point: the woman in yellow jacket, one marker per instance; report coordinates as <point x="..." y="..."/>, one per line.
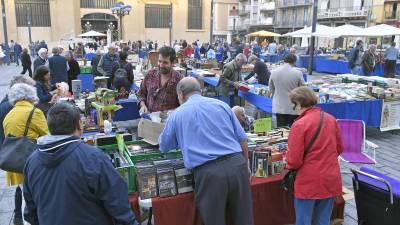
<point x="22" y="97"/>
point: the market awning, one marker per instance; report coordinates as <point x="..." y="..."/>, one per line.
<point x="381" y="30"/>
<point x="346" y="30"/>
<point x="306" y="31"/>
<point x="92" y="33"/>
<point x="263" y="33"/>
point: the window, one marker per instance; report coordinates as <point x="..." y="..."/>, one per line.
<point x="98" y="4"/>
<point x="35" y="11"/>
<point x="195" y="14"/>
<point x="157" y="16"/>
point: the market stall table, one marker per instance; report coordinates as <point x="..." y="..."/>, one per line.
<point x="271" y="205"/>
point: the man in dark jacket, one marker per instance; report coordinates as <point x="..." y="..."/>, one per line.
<point x="26" y="62"/>
<point x="369" y="61"/>
<point x="105" y="64"/>
<point x="261" y="69"/>
<point x="77" y="182"/>
<point x="58" y="67"/>
<point x="95" y="61"/>
<point x="41" y="60"/>
<point x="17" y="52"/>
<point x="40" y="45"/>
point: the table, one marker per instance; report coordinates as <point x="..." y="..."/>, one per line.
<point x="271" y="58"/>
<point x="271" y="205"/>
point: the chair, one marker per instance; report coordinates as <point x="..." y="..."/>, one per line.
<point x="355" y="144"/>
<point x="377" y="197"/>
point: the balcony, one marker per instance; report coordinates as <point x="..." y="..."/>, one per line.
<point x="262" y="21"/>
<point x="293" y="3"/>
<point x="392" y="15"/>
<point x="269" y="6"/>
<point x="343" y="12"/>
<point x="244" y="10"/>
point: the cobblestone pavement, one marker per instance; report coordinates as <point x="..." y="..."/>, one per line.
<point x="388" y="158"/>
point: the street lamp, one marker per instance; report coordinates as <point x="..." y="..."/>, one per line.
<point x="88" y="26"/>
<point x="111" y="26"/>
<point x="121" y="10"/>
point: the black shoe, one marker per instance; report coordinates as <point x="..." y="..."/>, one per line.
<point x="18" y="221"/>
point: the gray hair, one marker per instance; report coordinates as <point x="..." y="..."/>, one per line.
<point x="252" y="57"/>
<point x="238" y="109"/>
<point x="241" y="56"/>
<point x="188" y="85"/>
<point x="18" y="79"/>
<point x="22" y="91"/>
<point x="55" y="50"/>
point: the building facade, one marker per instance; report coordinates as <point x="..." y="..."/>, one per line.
<point x="161" y="20"/>
<point x="292" y="15"/>
<point x="335" y="13"/>
<point x="392" y="12"/>
<point x="254" y="15"/>
<point x="224" y="18"/>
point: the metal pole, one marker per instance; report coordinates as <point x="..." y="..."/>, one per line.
<point x="120" y="27"/>
<point x="211" y="21"/>
<point x="170" y="27"/>
<point x="312" y="42"/>
<point x="29" y="24"/>
<point x="3" y="12"/>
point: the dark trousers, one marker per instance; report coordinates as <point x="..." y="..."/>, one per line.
<point x="283" y="120"/>
<point x="18" y="203"/>
<point x="390" y="68"/>
<point x="366" y="71"/>
<point x="222" y="187"/>
<point x="25" y="68"/>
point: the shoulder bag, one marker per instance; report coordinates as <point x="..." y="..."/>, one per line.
<point x="15" y="150"/>
<point x="288" y="180"/>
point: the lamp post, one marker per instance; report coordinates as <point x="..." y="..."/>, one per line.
<point x="3" y="12"/>
<point x="88" y="26"/>
<point x="29" y="18"/>
<point x="312" y="42"/>
<point x="121" y="10"/>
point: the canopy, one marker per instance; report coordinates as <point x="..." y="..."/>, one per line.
<point x="346" y="30"/>
<point x="381" y="30"/>
<point x="263" y="33"/>
<point x="92" y="33"/>
<point x="306" y="31"/>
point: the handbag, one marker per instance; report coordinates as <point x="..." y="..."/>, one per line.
<point x="290" y="176"/>
<point x="15" y="150"/>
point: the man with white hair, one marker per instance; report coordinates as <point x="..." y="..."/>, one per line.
<point x="41" y="60"/>
<point x="369" y="60"/>
<point x="106" y="61"/>
<point x="245" y="120"/>
<point x="229" y="81"/>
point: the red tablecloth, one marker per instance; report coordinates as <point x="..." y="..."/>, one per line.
<point x="271" y="205"/>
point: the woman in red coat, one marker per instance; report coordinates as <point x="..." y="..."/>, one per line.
<point x="318" y="180"/>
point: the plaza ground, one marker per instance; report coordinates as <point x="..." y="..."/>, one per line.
<point x="387" y="156"/>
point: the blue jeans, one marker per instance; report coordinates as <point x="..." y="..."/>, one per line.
<point x="356" y="70"/>
<point x="308" y="210"/>
<point x="18" y="202"/>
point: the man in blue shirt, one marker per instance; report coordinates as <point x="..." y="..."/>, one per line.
<point x="214" y="146"/>
<point x="391" y="55"/>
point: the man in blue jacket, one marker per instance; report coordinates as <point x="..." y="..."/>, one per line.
<point x="58" y="67"/>
<point x="69" y="182"/>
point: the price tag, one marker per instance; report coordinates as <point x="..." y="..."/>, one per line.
<point x="262" y="125"/>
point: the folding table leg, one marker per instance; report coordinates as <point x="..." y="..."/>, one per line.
<point x="150" y="216"/>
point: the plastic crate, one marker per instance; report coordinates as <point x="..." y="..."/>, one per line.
<point x="127" y="173"/>
<point x="86" y="70"/>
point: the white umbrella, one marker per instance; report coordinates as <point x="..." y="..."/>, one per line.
<point x="381" y="30"/>
<point x="92" y="33"/>
<point x="306" y="31"/>
<point x="346" y="30"/>
<point x="304" y="42"/>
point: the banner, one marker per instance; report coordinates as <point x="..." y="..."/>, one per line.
<point x="390" y="118"/>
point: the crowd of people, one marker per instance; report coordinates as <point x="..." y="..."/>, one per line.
<point x="210" y="134"/>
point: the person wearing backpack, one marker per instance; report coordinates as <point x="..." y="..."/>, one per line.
<point x="355" y="58"/>
<point x="122" y="73"/>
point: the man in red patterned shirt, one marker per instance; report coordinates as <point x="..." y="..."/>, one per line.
<point x="158" y="89"/>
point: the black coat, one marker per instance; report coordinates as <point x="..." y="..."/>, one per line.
<point x="26" y="60"/>
<point x="95" y="61"/>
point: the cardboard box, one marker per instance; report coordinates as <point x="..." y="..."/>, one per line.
<point x="150" y="131"/>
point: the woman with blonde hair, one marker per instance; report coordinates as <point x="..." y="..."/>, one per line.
<point x="22" y="97"/>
